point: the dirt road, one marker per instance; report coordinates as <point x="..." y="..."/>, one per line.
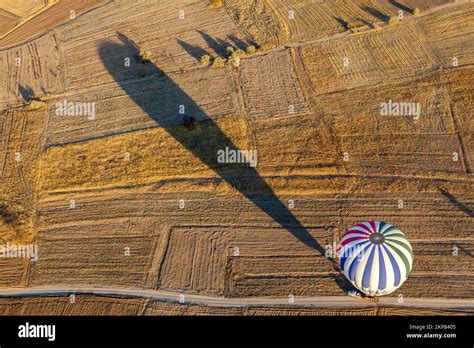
<point x="320" y="301"/>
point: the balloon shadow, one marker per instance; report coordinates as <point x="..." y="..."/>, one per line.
<point x="164" y="108"/>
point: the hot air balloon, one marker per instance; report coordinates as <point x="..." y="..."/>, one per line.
<point x="376" y="257"/>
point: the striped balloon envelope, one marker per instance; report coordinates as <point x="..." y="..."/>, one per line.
<point x="376" y="257"/>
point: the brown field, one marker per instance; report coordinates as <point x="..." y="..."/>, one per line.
<point x="372" y="58"/>
<point x="316" y="19"/>
<point x="83" y="305"/>
<point x="14" y="12"/>
<point x="442" y="33"/>
<point x="154" y="155"/>
<point x="270" y="261"/>
<point x="261" y="72"/>
<point x="13" y="273"/>
<point x="115" y="101"/>
<point x="176" y="44"/>
<point x="73" y="256"/>
<point x="258" y="20"/>
<point x="39" y="72"/>
<point x="22" y="134"/>
<point x="100" y="305"/>
<point x="38" y="16"/>
<point x="275" y="22"/>
<point x="8" y="20"/>
<point x="134" y="198"/>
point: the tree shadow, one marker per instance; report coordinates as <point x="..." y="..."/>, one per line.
<point x="342" y="282"/>
<point x="342" y="22"/>
<point x="131" y="53"/>
<point x="400" y="6"/>
<point x="376" y="13"/>
<point x="219" y="46"/>
<point x="165" y="106"/>
<point x="26" y="92"/>
<point x="193" y="50"/>
<point x="238" y="43"/>
<point x="467" y="252"/>
<point x="461" y="206"/>
<point x="366" y="22"/>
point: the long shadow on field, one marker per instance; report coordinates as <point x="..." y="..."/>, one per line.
<point x="26" y="92"/>
<point x="400" y="6"/>
<point x="454" y="201"/>
<point x="467" y="252"/>
<point x="376" y="13"/>
<point x="240" y="43"/>
<point x="219" y="46"/>
<point x="193" y="50"/>
<point x="164" y="109"/>
<point x="342" y="22"/>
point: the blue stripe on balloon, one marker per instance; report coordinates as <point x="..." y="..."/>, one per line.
<point x="343" y="260"/>
<point x="356" y="261"/>
<point x="368" y="269"/>
<point x="382" y="270"/>
<point x="347" y="252"/>
<point x="396" y="269"/>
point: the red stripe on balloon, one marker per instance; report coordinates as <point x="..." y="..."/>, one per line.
<point x="364" y="227"/>
<point x="372" y="223"/>
<point x="351" y="240"/>
<point x="357" y="231"/>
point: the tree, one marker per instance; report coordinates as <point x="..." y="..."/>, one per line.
<point x="6" y="214"/>
<point x="146" y="56"/>
<point x="250" y="49"/>
<point x="216" y="4"/>
<point x="206" y="60"/>
<point x="218" y="62"/>
<point x="189" y="122"/>
<point x="240" y="53"/>
<point x="393" y="21"/>
<point x="351" y="26"/>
